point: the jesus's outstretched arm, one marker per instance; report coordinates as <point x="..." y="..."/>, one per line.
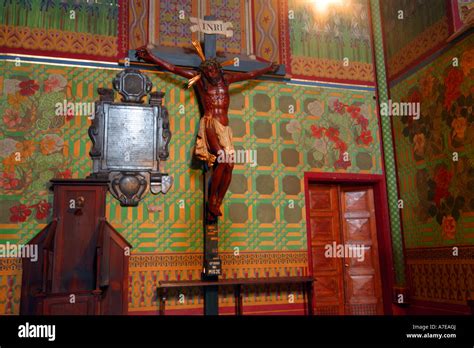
<point x="145" y="54"/>
<point x="236" y="77"/>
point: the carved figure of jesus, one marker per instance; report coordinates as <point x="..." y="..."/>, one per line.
<point x="214" y="135"/>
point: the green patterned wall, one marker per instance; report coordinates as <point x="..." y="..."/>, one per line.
<point x="293" y="129"/>
<point x="435" y="154"/>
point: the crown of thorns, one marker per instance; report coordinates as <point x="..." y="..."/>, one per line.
<point x="205" y="63"/>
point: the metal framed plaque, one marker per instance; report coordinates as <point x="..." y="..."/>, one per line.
<point x="130" y="138"/>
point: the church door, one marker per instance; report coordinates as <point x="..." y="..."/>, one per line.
<point x="344" y="250"/>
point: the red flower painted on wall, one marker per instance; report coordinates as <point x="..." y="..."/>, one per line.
<point x="339" y="133"/>
<point x="8" y="181"/>
<point x="318" y="132"/>
<point x="446" y="193"/>
<point x="353" y="110"/>
<point x="332" y="134"/>
<point x="365" y="138"/>
<point x="362" y="121"/>
<point x="340" y="145"/>
<point x="42" y="209"/>
<point x="19" y="213"/>
<point x="28" y="87"/>
<point x="338" y="107"/>
<point x="11" y="118"/>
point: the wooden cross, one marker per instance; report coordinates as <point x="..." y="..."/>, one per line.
<point x="177" y="57"/>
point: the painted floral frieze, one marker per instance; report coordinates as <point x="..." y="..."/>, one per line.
<point x="334" y="138"/>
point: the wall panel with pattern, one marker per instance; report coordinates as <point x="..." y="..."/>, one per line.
<point x="332" y="43"/>
<point x="80" y="29"/>
<point x="412" y="29"/>
<point x="436" y="174"/>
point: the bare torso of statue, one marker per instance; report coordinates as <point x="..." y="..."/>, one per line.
<point x="214" y="135"/>
<point x="216" y="101"/>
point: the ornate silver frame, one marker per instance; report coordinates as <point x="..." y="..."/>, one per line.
<point x="130" y="138"/>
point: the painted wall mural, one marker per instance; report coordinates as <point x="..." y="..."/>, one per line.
<point x="435" y="153"/>
<point x="292" y="129"/>
<point x="266" y="29"/>
<point x="230" y="11"/>
<point x="319" y="42"/>
<point x="325" y="141"/>
<point x="171" y="26"/>
<point x="138" y="22"/>
<point x="168" y="28"/>
<point x="421" y="26"/>
<point x="84" y="30"/>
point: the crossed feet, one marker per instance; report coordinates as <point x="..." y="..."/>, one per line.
<point x="214" y="208"/>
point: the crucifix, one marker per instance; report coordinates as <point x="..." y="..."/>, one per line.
<point x="214" y="139"/>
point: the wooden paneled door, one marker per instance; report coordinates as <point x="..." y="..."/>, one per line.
<point x="344" y="250"/>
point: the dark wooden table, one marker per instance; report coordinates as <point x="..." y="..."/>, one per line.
<point x="237" y="284"/>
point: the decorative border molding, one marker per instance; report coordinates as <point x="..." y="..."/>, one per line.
<point x="332" y="69"/>
<point x="10" y="285"/>
<point x="38" y="39"/>
<point x="440" y="253"/>
<point x="277" y="263"/>
<point x="146" y="270"/>
<point x="10" y="266"/>
<point x="436" y="275"/>
<point x="424" y="44"/>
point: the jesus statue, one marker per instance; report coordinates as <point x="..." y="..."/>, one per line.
<point x="214" y="137"/>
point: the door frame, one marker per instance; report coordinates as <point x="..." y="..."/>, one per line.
<point x="384" y="240"/>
